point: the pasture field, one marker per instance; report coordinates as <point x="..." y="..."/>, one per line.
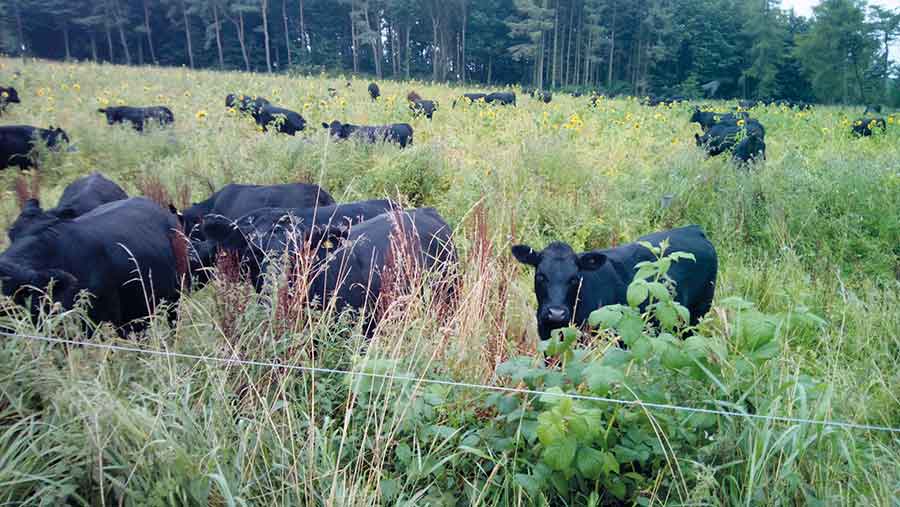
<point x="805" y="323"/>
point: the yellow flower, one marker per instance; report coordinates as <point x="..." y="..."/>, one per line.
<point x="637" y="125"/>
<point x="306" y="106"/>
<point x="343" y="103"/>
<point x="103" y="101"/>
<point x="41" y="92"/>
<point x="64" y="87"/>
<point x="201" y="114"/>
<point x="187" y="93"/>
<point x="120" y="102"/>
<point x="858" y="123"/>
<point x="49" y="109"/>
<point x="232" y="111"/>
<point x="4" y="95"/>
<point x="741" y="122"/>
<point x="891" y="120"/>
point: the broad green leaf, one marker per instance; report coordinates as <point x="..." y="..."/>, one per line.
<point x="642" y="348"/>
<point x="389" y="488"/>
<point x="664" y="265"/>
<point x="529" y="483"/>
<point x="637" y="293"/>
<point x="560" y="454"/>
<point x="631" y="327"/>
<point x="659" y="291"/>
<point x="607" y="317"/>
<point x="610" y="464"/>
<point x="404" y="453"/>
<point x="600" y="378"/>
<point x="615" y="357"/>
<point x="589" y="462"/>
<point x="551" y="428"/>
<point x="667" y="316"/>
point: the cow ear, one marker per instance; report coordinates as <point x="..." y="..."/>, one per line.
<point x="223" y="231"/>
<point x="328" y="237"/>
<point x="590" y="261"/>
<point x="325" y="125"/>
<point x="101" y="111"/>
<point x="526" y="255"/>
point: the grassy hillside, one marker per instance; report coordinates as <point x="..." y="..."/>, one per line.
<point x="805" y="322"/>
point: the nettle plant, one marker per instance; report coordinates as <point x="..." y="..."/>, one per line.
<point x="600" y="452"/>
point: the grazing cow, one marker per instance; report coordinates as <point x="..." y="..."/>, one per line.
<point x="374" y="92"/>
<point x="749" y="149"/>
<point x="244" y="103"/>
<point x="351" y="264"/>
<point x="400" y="133"/>
<point x="543" y="96"/>
<point x="472" y="97"/>
<point x="502" y="98"/>
<point x="707" y="119"/>
<point x="865" y="127"/>
<point x="872" y="109"/>
<point x="8" y="96"/>
<point x="283" y="120"/>
<point x="259" y="236"/>
<point x="79" y="197"/>
<point x="569" y="286"/>
<point x="17" y="143"/>
<point x="576" y="94"/>
<point x="420" y="106"/>
<point x="138" y="116"/>
<point x="723" y="136"/>
<point x="235" y="200"/>
<point x="123" y="253"/>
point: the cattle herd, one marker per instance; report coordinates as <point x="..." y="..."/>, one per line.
<point x="134" y="257"/>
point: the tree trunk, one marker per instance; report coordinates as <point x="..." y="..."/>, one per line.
<point x="377" y="50"/>
<point x="187" y="34"/>
<point x="287" y="32"/>
<point x="140" y="48"/>
<point x="434" y="46"/>
<point x="354" y="43"/>
<point x="122" y="39"/>
<point x="555" y="47"/>
<point x="93" y="45"/>
<point x="242" y="40"/>
<point x="109" y="41"/>
<point x="612" y="47"/>
<point x="490" y="68"/>
<point x="406" y="42"/>
<point x="264" y="9"/>
<point x="150" y="32"/>
<point x="303" y="39"/>
<point x="20" y="29"/>
<point x="218" y="28"/>
<point x="465" y="22"/>
<point x="65" y="31"/>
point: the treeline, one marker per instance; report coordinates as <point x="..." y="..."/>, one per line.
<point x="722" y="48"/>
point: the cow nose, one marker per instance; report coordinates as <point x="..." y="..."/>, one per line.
<point x="557" y="314"/>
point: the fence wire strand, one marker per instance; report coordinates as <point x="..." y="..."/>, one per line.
<point x="454" y="384"/>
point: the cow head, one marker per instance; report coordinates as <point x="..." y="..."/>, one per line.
<point x="338" y="129"/>
<point x="27" y="286"/>
<point x="112" y="115"/>
<point x="9" y="96"/>
<point x="33" y="218"/>
<point x="54" y="137"/>
<point x="230" y="100"/>
<point x="558" y="273"/>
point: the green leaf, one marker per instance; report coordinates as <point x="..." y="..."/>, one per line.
<point x="646" y="271"/>
<point x="677" y="256"/>
<point x="600" y="378"/>
<point x="674" y="359"/>
<point x="631" y="327"/>
<point x="615" y="357"/>
<point x="659" y="291"/>
<point x="666" y="316"/>
<point x="589" y="462"/>
<point x="664" y="264"/>
<point x="389" y="488"/>
<point x="529" y="483"/>
<point x="642" y="348"/>
<point x="560" y="454"/>
<point x="617" y="488"/>
<point x="608" y="317"/>
<point x="404" y="453"/>
<point x="551" y="428"/>
<point x="610" y="464"/>
<point x="637" y="293"/>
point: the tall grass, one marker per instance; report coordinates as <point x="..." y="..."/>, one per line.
<point x="817" y="227"/>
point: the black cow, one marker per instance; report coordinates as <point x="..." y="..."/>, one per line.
<point x="750" y="149"/>
<point x="707" y="119"/>
<point x="263" y="235"/>
<point x="374" y="92"/>
<point x="472" y="97"/>
<point x="244" y="103"/>
<point x="139" y="117"/>
<point x="79" y="197"/>
<point x="283" y="120"/>
<point x="122" y="253"/>
<point x="17" y="143"/>
<point x="8" y="96"/>
<point x="420" y="106"/>
<point x="400" y="133"/>
<point x="872" y="109"/>
<point x="350" y="262"/>
<point x="502" y="98"/>
<point x="543" y="96"/>
<point x="569" y="286"/>
<point x="235" y="200"/>
<point x="723" y="136"/>
<point x="865" y="127"/>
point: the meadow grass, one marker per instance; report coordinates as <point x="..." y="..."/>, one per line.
<point x="815" y="227"/>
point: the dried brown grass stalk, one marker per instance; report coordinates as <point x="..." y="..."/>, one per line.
<point x="152" y="188"/>
<point x="27" y="188"/>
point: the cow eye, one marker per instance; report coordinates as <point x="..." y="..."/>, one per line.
<point x="574" y="281"/>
